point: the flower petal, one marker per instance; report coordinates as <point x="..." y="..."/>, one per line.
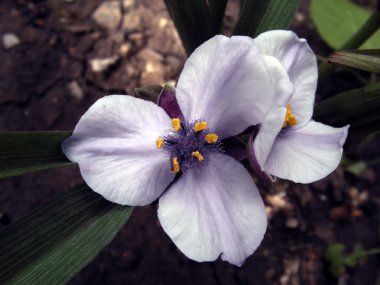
<point x="300" y="62"/>
<point x="269" y="130"/>
<point x="227" y="83"/>
<point x="306" y="154"/>
<point x="114" y="145"/>
<point x="214" y="210"/>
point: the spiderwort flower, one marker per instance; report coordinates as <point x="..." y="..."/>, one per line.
<point x="289" y="144"/>
<point x="130" y="151"/>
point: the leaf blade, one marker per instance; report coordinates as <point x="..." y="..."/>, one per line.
<point x="57" y="240"/>
<point x="259" y="16"/>
<point x="358" y="107"/>
<point x="346" y="18"/>
<point x="366" y="60"/>
<point x="192" y="20"/>
<point x="22" y="152"/>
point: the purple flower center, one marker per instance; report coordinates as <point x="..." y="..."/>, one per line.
<point x="188" y="144"/>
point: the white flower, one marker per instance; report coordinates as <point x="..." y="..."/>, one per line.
<point x="289" y="144"/>
<point x="130" y="151"/>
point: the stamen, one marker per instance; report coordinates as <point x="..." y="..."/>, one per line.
<point x="175" y="166"/>
<point x="290" y="119"/>
<point x="176" y="124"/>
<point x="200" y="126"/>
<point x="197" y="155"/>
<point x="159" y="143"/>
<point x="211" y="138"/>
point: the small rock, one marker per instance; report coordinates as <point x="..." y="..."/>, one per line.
<point x="10" y="40"/>
<point x="128" y="4"/>
<point x="131" y="23"/>
<point x="174" y="64"/>
<point x="124" y="49"/>
<point x="75" y="90"/>
<point x="292" y="223"/>
<point x="102" y="64"/>
<point x="108" y="15"/>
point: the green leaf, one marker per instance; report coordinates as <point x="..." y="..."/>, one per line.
<point x="357" y="168"/>
<point x="217" y="9"/>
<point x="22" y="152"/>
<point x="358" y="107"/>
<point x="192" y="20"/>
<point x="335" y="257"/>
<point x="338" y="20"/>
<point x="56" y="241"/>
<point x="367" y="60"/>
<point x="258" y="16"/>
<point x="150" y="93"/>
<point x="354" y="258"/>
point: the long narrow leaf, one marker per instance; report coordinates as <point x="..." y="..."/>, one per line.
<point x="358" y="107"/>
<point x="217" y="9"/>
<point x="192" y="20"/>
<point x="56" y="241"/>
<point x="22" y="152"/>
<point x="367" y="60"/>
<point x="258" y="16"/>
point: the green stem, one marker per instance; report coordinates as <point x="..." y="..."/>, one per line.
<point x="364" y="33"/>
<point x="373" y="251"/>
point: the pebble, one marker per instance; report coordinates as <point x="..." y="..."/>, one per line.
<point x="10" y="40"/>
<point x="75" y="90"/>
<point x="128" y="4"/>
<point x="102" y="64"/>
<point x="108" y="15"/>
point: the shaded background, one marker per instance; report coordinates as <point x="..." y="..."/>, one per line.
<point x="72" y="52"/>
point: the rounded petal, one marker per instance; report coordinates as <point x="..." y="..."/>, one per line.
<point x="227" y="83"/>
<point x="300" y="62"/>
<point x="306" y="154"/>
<point x="268" y="131"/>
<point x="214" y="210"/>
<point x="114" y="145"/>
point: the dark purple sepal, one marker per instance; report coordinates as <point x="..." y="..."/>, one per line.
<point x="149" y="93"/>
<point x="264" y="178"/>
<point x="167" y="100"/>
<point x="235" y="147"/>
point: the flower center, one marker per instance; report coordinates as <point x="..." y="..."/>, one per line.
<point x="188" y="144"/>
<point x="290" y="119"/>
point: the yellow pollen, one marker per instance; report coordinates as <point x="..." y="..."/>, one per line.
<point x="211" y="138"/>
<point x="176" y="124"/>
<point x="175" y="166"/>
<point x="198" y="155"/>
<point x="159" y="143"/>
<point x="200" y="126"/>
<point x="290" y="119"/>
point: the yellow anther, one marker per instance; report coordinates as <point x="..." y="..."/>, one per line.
<point x="211" y="138"/>
<point x="176" y="124"/>
<point x="198" y="155"/>
<point x="200" y="126"/>
<point x="159" y="143"/>
<point x="290" y="119"/>
<point x="175" y="166"/>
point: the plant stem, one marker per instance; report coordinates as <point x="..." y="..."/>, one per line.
<point x="364" y="33"/>
<point x="373" y="251"/>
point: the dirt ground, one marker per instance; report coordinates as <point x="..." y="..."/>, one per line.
<point x="70" y="54"/>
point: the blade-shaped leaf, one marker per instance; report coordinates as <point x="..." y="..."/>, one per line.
<point x="258" y="16"/>
<point x="192" y="20"/>
<point x="367" y="60"/>
<point x="346" y="18"/>
<point x="22" y="152"/>
<point x="56" y="241"/>
<point x="358" y="107"/>
<point x="217" y="9"/>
